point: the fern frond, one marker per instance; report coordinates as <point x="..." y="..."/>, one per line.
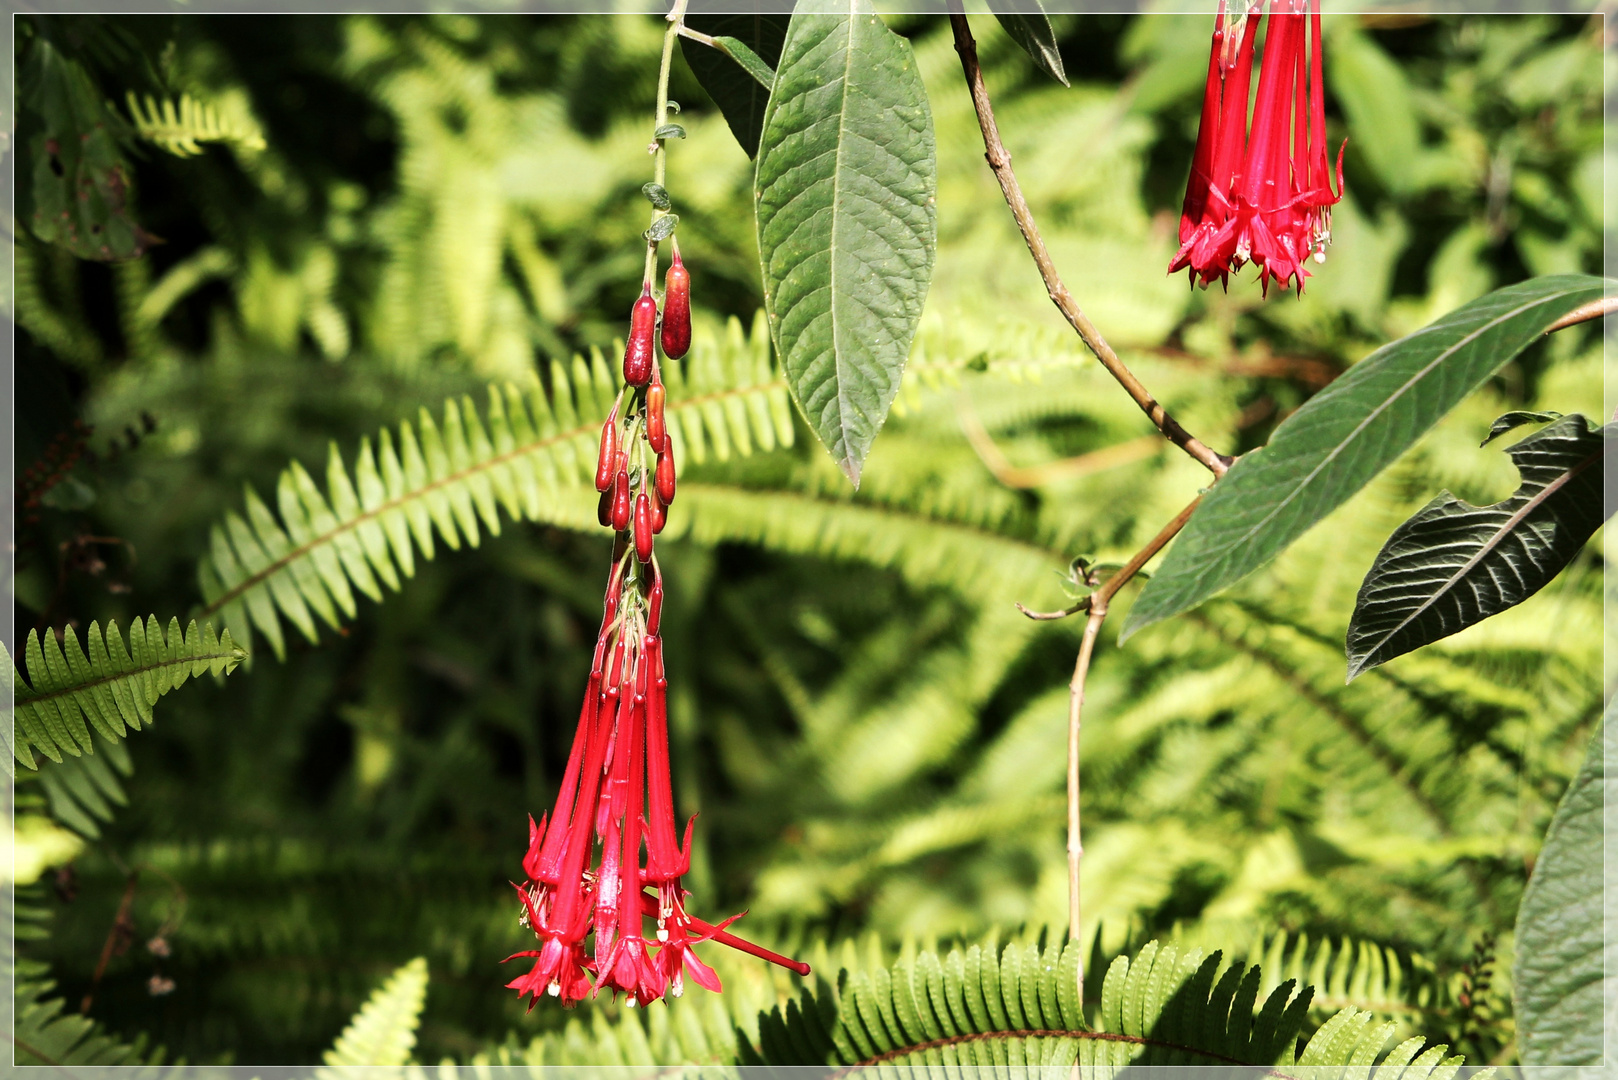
<point x="1018" y="1004"/>
<point x="47" y="1034"/>
<point x="528" y="453"/>
<point x="178" y="125"/>
<point x="109" y="683"/>
<point x="383" y="1032"/>
<point x="1363" y="975"/>
<point x="82" y="791"/>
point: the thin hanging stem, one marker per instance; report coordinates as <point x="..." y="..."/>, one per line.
<point x="676" y="18"/>
<point x="1000" y="163"/>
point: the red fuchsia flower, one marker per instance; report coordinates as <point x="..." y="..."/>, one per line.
<point x="1261" y="194"/>
<point x="617" y="790"/>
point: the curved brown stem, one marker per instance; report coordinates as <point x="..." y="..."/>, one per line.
<point x="1000" y="162"/>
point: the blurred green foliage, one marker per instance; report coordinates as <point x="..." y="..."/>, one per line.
<point x="872" y="733"/>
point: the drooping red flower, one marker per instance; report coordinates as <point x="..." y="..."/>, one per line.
<point x="1261" y="193"/>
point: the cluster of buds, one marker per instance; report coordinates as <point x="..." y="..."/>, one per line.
<point x="608" y="856"/>
<point x="1261" y="195"/>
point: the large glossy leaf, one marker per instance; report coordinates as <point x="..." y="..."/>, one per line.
<point x="1345" y="435"/>
<point x="1454" y="564"/>
<point x="724" y="72"/>
<point x="846" y="218"/>
<point x="1557" y="981"/>
<point x="1028" y="25"/>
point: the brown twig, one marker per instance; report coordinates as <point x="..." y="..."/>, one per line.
<point x="118" y="936"/>
<point x="1595" y="309"/>
<point x="1000" y="161"/>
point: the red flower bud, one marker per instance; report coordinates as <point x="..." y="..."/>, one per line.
<point x="657" y="434"/>
<point x="676" y="309"/>
<point x="643" y="527"/>
<point x="660" y="513"/>
<point x="665" y="476"/>
<point x="638" y="350"/>
<point x="604" y="509"/>
<point x="654" y="610"/>
<point x="609" y="453"/>
<point x="620" y="501"/>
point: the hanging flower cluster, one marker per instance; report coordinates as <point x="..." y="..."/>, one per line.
<point x="584" y="867"/>
<point x="1261" y="194"/>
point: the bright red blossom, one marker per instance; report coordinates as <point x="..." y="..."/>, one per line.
<point x="1261" y="194"/>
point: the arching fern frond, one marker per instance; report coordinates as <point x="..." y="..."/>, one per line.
<point x="988" y="1006"/>
<point x="383" y="1032"/>
<point x="1362" y="975"/>
<point x="178" y="125"/>
<point x="528" y="453"/>
<point x="109" y="683"/>
<point x="80" y="792"/>
<point x="47" y="1034"/>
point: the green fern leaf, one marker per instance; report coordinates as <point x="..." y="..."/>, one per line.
<point x="530" y="453"/>
<point x="179" y="125"/>
<point x="46" y="1033"/>
<point x="383" y="1032"/>
<point x="110" y="686"/>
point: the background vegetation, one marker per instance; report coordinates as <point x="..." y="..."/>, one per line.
<point x="393" y="211"/>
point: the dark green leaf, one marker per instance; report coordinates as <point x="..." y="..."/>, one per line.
<point x="657" y="195"/>
<point x="1027" y="24"/>
<point x="1345" y="435"/>
<point x="847" y="220"/>
<point x="1558" y="974"/>
<point x="669" y="131"/>
<point x="737" y="50"/>
<point x="1513" y="420"/>
<point x="80" y="181"/>
<point x="1453" y="564"/>
<point x="662" y="228"/>
<point x="726" y="76"/>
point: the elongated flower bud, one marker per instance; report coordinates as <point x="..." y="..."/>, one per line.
<point x="665" y="476"/>
<point x="620" y="501"/>
<point x="638" y="350"/>
<point x="643" y="527"/>
<point x="604" y="509"/>
<point x="676" y="309"/>
<point x="608" y="457"/>
<point x="654" y="610"/>
<point x="657" y="434"/>
<point x="660" y="513"/>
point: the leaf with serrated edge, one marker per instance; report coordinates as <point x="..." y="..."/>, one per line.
<point x="1557" y="980"/>
<point x="847" y="220"/>
<point x="1346" y="434"/>
<point x="1453" y="564"/>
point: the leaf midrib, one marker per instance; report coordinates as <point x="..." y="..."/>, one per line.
<point x="129" y="674"/>
<point x="248" y="583"/>
<point x="1491" y="544"/>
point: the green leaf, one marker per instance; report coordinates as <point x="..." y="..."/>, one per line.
<point x="1453" y="564"/>
<point x="1028" y="25"/>
<point x="738" y="73"/>
<point x="847" y="220"/>
<point x="662" y="228"/>
<point x="80" y="180"/>
<point x="669" y="131"/>
<point x="179" y="126"/>
<point x="103" y="685"/>
<point x="657" y="195"/>
<point x="1345" y="435"/>
<point x="383" y="1032"/>
<point x="1558" y="975"/>
<point x="1379" y="104"/>
<point x="1513" y="420"/>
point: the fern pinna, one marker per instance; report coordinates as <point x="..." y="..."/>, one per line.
<point x="527" y="453"/>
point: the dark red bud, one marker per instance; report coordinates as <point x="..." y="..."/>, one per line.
<point x="604" y="509"/>
<point x="638" y="350"/>
<point x="609" y="453"/>
<point x="620" y="501"/>
<point x="660" y="513"/>
<point x="665" y="476"/>
<point x="656" y="433"/>
<point x="643" y="528"/>
<point x="676" y="310"/>
<point x="654" y="608"/>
